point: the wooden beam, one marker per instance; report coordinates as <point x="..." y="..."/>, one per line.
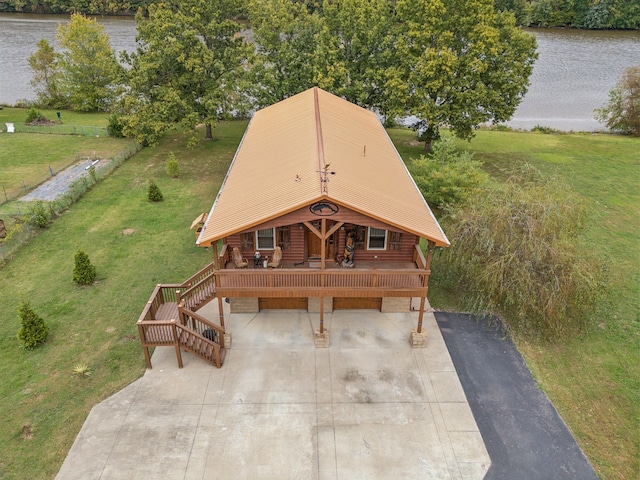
<point x="323" y="245"/>
<point x="314" y="230"/>
<point x="333" y="229"/>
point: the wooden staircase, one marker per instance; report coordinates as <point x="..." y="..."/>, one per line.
<point x="170" y="318"/>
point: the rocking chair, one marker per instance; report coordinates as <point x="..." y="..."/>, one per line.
<point x="237" y="258"/>
<point x="277" y="258"/>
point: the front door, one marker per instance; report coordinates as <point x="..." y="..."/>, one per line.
<point x="314" y="245"/>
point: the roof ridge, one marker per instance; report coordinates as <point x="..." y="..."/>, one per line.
<point x="322" y="166"/>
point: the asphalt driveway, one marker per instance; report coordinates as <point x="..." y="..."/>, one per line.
<point x="522" y="431"/>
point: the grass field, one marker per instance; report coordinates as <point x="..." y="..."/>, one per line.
<point x="592" y="380"/>
<point x="26" y="158"/>
<point x="44" y="405"/>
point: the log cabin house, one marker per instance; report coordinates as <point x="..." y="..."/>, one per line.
<point x="316" y="181"/>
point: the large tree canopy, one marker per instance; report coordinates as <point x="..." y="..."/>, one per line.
<point x="88" y="72"/>
<point x="458" y="63"/>
<point x="186" y="68"/>
<point x="622" y="113"/>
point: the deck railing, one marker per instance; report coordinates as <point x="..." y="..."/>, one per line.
<point x="163" y="293"/>
<point x="298" y="282"/>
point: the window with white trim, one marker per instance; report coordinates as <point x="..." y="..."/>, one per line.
<point x="266" y="239"/>
<point x="377" y="239"/>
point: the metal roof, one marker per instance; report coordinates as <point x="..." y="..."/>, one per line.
<point x="316" y="146"/>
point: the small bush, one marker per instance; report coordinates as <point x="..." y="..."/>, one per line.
<point x="84" y="273"/>
<point x="115" y="126"/>
<point x="39" y="215"/>
<point x="33" y="331"/>
<point x="155" y="195"/>
<point x="172" y="166"/>
<point x="446" y="176"/>
<point x="35" y="117"/>
<point x="545" y="130"/>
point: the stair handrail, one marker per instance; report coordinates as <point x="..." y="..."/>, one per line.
<point x="187" y="294"/>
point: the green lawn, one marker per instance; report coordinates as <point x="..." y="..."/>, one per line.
<point x="594" y="380"/>
<point x="44" y="405"/>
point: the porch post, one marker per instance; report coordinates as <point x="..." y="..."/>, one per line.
<point x="425" y="284"/>
<point x="323" y="247"/>
<point x="215" y="254"/>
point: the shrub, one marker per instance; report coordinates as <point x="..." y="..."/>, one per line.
<point x="39" y="215"/>
<point x="172" y="167"/>
<point x="155" y="195"/>
<point x="84" y="273"/>
<point x="33" y="331"/>
<point x="115" y="126"/>
<point x="622" y="113"/>
<point x="446" y="176"/>
<point x="515" y="250"/>
<point x="34" y="116"/>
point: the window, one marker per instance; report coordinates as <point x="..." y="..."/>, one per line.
<point x="266" y="239"/>
<point x="246" y="241"/>
<point x="395" y="240"/>
<point x="284" y="237"/>
<point x="377" y="239"/>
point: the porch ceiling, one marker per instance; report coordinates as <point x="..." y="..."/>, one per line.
<point x="315" y="147"/>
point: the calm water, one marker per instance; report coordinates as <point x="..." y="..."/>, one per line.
<point x="573" y="74"/>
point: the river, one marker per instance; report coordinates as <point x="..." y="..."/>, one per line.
<point x="573" y="74"/>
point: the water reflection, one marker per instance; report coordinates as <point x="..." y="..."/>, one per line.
<point x="573" y="74"/>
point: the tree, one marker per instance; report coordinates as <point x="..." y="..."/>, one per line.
<point x="89" y="73"/>
<point x="44" y="64"/>
<point x="286" y="38"/>
<point x="622" y="113"/>
<point x="459" y="63"/>
<point x="33" y="331"/>
<point x="83" y="273"/>
<point x="187" y="68"/>
<point x="340" y="46"/>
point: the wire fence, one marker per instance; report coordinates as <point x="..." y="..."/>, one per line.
<point x="22" y="230"/>
<point x="61" y="129"/>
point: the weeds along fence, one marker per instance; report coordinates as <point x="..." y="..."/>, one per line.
<point x="61" y="129"/>
<point x="23" y="229"/>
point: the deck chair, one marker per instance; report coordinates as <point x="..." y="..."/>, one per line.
<point x="277" y="258"/>
<point x="237" y="259"/>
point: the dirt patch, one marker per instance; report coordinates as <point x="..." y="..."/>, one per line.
<point x="128" y="231"/>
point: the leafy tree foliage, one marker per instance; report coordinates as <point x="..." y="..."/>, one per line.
<point x="286" y="37"/>
<point x="339" y="45"/>
<point x="187" y="67"/>
<point x="447" y="177"/>
<point x="33" y="331"/>
<point x="622" y="113"/>
<point x="88" y="70"/>
<point x="459" y="64"/>
<point x="44" y="64"/>
<point x="84" y="273"/>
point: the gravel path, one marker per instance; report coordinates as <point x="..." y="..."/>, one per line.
<point x="58" y="185"/>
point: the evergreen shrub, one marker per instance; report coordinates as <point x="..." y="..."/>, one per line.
<point x="155" y="195"/>
<point x="84" y="272"/>
<point x="34" y="330"/>
<point x="172" y="166"/>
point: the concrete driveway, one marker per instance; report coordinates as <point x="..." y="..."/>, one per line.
<point x="367" y="407"/>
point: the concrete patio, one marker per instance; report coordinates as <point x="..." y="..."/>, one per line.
<point x="369" y="406"/>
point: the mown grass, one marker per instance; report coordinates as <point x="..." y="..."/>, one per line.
<point x="26" y="158"/>
<point x="44" y="403"/>
<point x="593" y="380"/>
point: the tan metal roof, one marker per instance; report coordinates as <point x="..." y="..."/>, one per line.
<point x="285" y="152"/>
